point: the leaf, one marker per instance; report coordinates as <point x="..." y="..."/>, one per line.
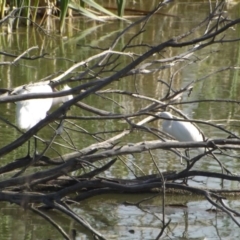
<point x="63" y="13"/>
<point x="120" y="6"/>
<point x="35" y="4"/>
<point x="84" y="12"/>
<point x="101" y="9"/>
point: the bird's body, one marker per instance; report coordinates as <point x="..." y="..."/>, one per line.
<point x="30" y="112"/>
<point x="181" y="131"/>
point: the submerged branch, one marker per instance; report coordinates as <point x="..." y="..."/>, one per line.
<point x="84" y="172"/>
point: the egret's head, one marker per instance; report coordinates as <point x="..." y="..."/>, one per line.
<point x="68" y="97"/>
<point x="165" y="115"/>
<point x="63" y="99"/>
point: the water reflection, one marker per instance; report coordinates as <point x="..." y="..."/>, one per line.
<point x="118" y="221"/>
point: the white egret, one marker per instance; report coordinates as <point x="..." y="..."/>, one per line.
<point x="30" y="112"/>
<point x="181" y="131"/>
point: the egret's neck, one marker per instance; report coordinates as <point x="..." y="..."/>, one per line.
<point x="59" y="100"/>
<point x="167" y="123"/>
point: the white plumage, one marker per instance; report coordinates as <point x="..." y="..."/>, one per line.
<point x="30" y="112"/>
<point x="181" y="131"/>
<point x="62" y="99"/>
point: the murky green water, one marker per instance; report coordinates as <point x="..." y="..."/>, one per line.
<point x="114" y="220"/>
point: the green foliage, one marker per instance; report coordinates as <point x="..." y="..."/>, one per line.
<point x="101" y="9"/>
<point x="2" y="7"/>
<point x="34" y="10"/>
<point x="63" y="12"/>
<point x="26" y="10"/>
<point x="30" y="9"/>
<point x="120" y="7"/>
<point x="82" y="3"/>
<point x="88" y="12"/>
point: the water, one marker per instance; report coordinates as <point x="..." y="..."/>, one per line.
<point x="108" y="213"/>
